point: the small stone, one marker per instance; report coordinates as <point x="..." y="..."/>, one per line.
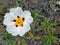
<point x="4" y="38"/>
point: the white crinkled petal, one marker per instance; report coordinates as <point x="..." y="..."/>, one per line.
<point x="9" y="16"/>
<point x="26" y="13"/>
<point x="27" y="16"/>
<point x="12" y="30"/>
<point x="8" y="19"/>
<point x="29" y="19"/>
<point x="25" y="28"/>
<point x="8" y="22"/>
<point x="58" y="2"/>
<point x="17" y="11"/>
<point x="12" y="10"/>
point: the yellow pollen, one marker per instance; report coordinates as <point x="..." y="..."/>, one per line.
<point x="19" y="21"/>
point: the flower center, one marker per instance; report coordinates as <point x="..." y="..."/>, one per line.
<point x="19" y="21"/>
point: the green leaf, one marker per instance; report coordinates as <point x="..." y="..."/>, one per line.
<point x="17" y="4"/>
<point x="22" y="41"/>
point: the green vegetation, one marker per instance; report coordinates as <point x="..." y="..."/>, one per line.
<point x="40" y="23"/>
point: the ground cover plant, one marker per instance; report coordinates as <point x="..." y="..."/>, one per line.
<point x="45" y="27"/>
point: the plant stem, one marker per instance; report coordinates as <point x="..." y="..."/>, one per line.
<point x="22" y="41"/>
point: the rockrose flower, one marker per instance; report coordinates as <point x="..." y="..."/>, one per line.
<point x="58" y="2"/>
<point x="17" y="21"/>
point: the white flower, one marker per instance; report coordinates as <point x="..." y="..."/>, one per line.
<point x="58" y="2"/>
<point x="17" y="21"/>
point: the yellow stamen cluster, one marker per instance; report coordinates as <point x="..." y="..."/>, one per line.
<point x="19" y="21"/>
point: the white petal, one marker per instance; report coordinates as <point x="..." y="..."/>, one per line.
<point x="17" y="11"/>
<point x="12" y="10"/>
<point x="9" y="16"/>
<point x="8" y="22"/>
<point x="25" y="28"/>
<point x="12" y="30"/>
<point x="26" y="13"/>
<point x="58" y="2"/>
<point x="29" y="19"/>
